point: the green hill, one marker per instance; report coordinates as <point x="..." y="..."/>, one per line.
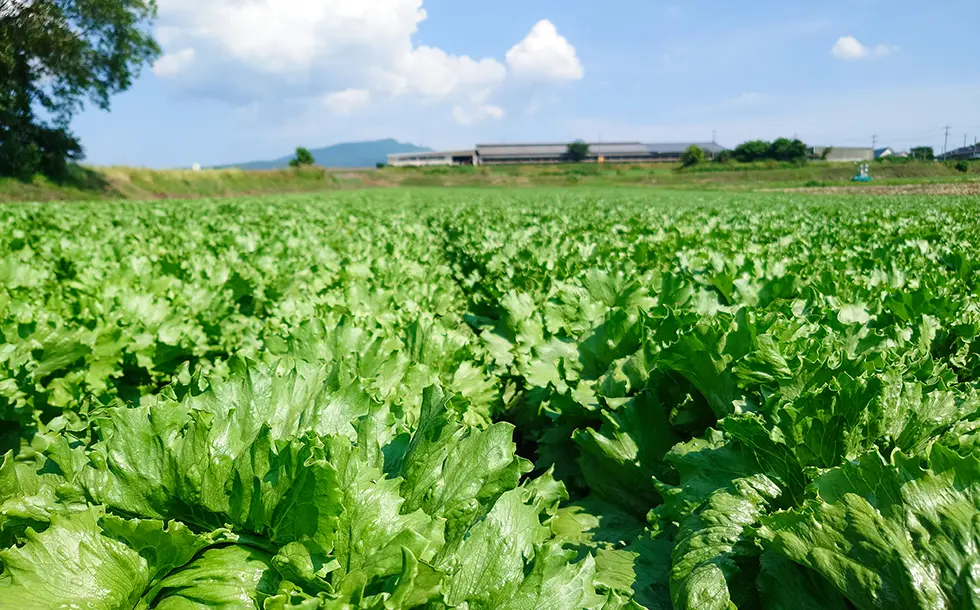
<point x="349" y="154"/>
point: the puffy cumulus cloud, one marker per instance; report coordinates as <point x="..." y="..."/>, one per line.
<point x="545" y="55"/>
<point x="435" y="75"/>
<point x="346" y="53"/>
<point x="346" y="101"/>
<point x="849" y="48"/>
<point x="465" y="116"/>
<point x="292" y="35"/>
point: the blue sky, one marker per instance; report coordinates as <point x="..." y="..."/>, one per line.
<point x="240" y="84"/>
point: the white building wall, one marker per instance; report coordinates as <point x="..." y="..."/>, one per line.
<point x="419" y="160"/>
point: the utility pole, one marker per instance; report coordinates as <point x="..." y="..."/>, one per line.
<point x="874" y="142"/>
<point x="714" y="136"/>
<point x="964" y="140"/>
<point x="946" y="140"/>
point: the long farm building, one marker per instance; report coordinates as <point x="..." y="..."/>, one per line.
<point x="502" y="154"/>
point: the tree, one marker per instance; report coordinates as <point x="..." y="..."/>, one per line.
<point x="724" y="156"/>
<point x="784" y="149"/>
<point x="753" y="150"/>
<point x="54" y="55"/>
<point x="577" y="152"/>
<point x="303" y="158"/>
<point x="922" y="153"/>
<point x="694" y="155"/>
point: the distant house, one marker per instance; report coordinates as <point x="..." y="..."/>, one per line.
<point x="842" y="154"/>
<point x="881" y="153"/>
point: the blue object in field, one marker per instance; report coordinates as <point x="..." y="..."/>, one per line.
<point x="863" y="175"/>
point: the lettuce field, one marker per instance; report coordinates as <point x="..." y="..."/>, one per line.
<point x="491" y="399"/>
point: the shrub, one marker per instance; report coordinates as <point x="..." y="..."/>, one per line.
<point x="724" y="156"/>
<point x="784" y="149"/>
<point x="692" y="156"/>
<point x="962" y="166"/>
<point x="753" y="150"/>
<point x="380" y="165"/>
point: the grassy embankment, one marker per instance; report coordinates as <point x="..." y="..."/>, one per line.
<point x="133" y="183"/>
<point x="138" y="183"/>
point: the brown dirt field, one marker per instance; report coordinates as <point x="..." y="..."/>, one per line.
<point x="950" y="188"/>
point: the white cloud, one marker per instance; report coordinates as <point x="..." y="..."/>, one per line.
<point x="545" y="55"/>
<point x="340" y="52"/>
<point x="347" y="101"/>
<point x="849" y="48"/>
<point x="294" y="35"/>
<point x="884" y="50"/>
<point x="479" y="114"/>
<point x="174" y="63"/>
<point x="435" y="75"/>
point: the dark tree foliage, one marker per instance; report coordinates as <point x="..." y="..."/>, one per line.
<point x="753" y="150"/>
<point x="922" y="153"/>
<point x="694" y="155"/>
<point x="577" y="151"/>
<point x="303" y="158"/>
<point x="782" y="149"/>
<point x="55" y="55"/>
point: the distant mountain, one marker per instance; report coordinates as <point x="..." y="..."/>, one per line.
<point x="349" y="154"/>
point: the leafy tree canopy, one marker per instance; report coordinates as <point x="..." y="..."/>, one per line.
<point x="55" y="55"/>
<point x="303" y="157"/>
<point x="923" y="153"/>
<point x="782" y="149"/>
<point x="753" y="150"/>
<point x="577" y="151"/>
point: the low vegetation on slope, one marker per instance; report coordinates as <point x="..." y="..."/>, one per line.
<point x="139" y="184"/>
<point x="491" y="399"/>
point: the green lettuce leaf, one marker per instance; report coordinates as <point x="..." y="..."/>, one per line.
<point x="890" y="534"/>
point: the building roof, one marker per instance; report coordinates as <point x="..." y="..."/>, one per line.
<point x="845" y="153"/>
<point x="679" y="147"/>
<point x="964" y="152"/>
<point x="554" y="149"/>
<point x="595" y="148"/>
